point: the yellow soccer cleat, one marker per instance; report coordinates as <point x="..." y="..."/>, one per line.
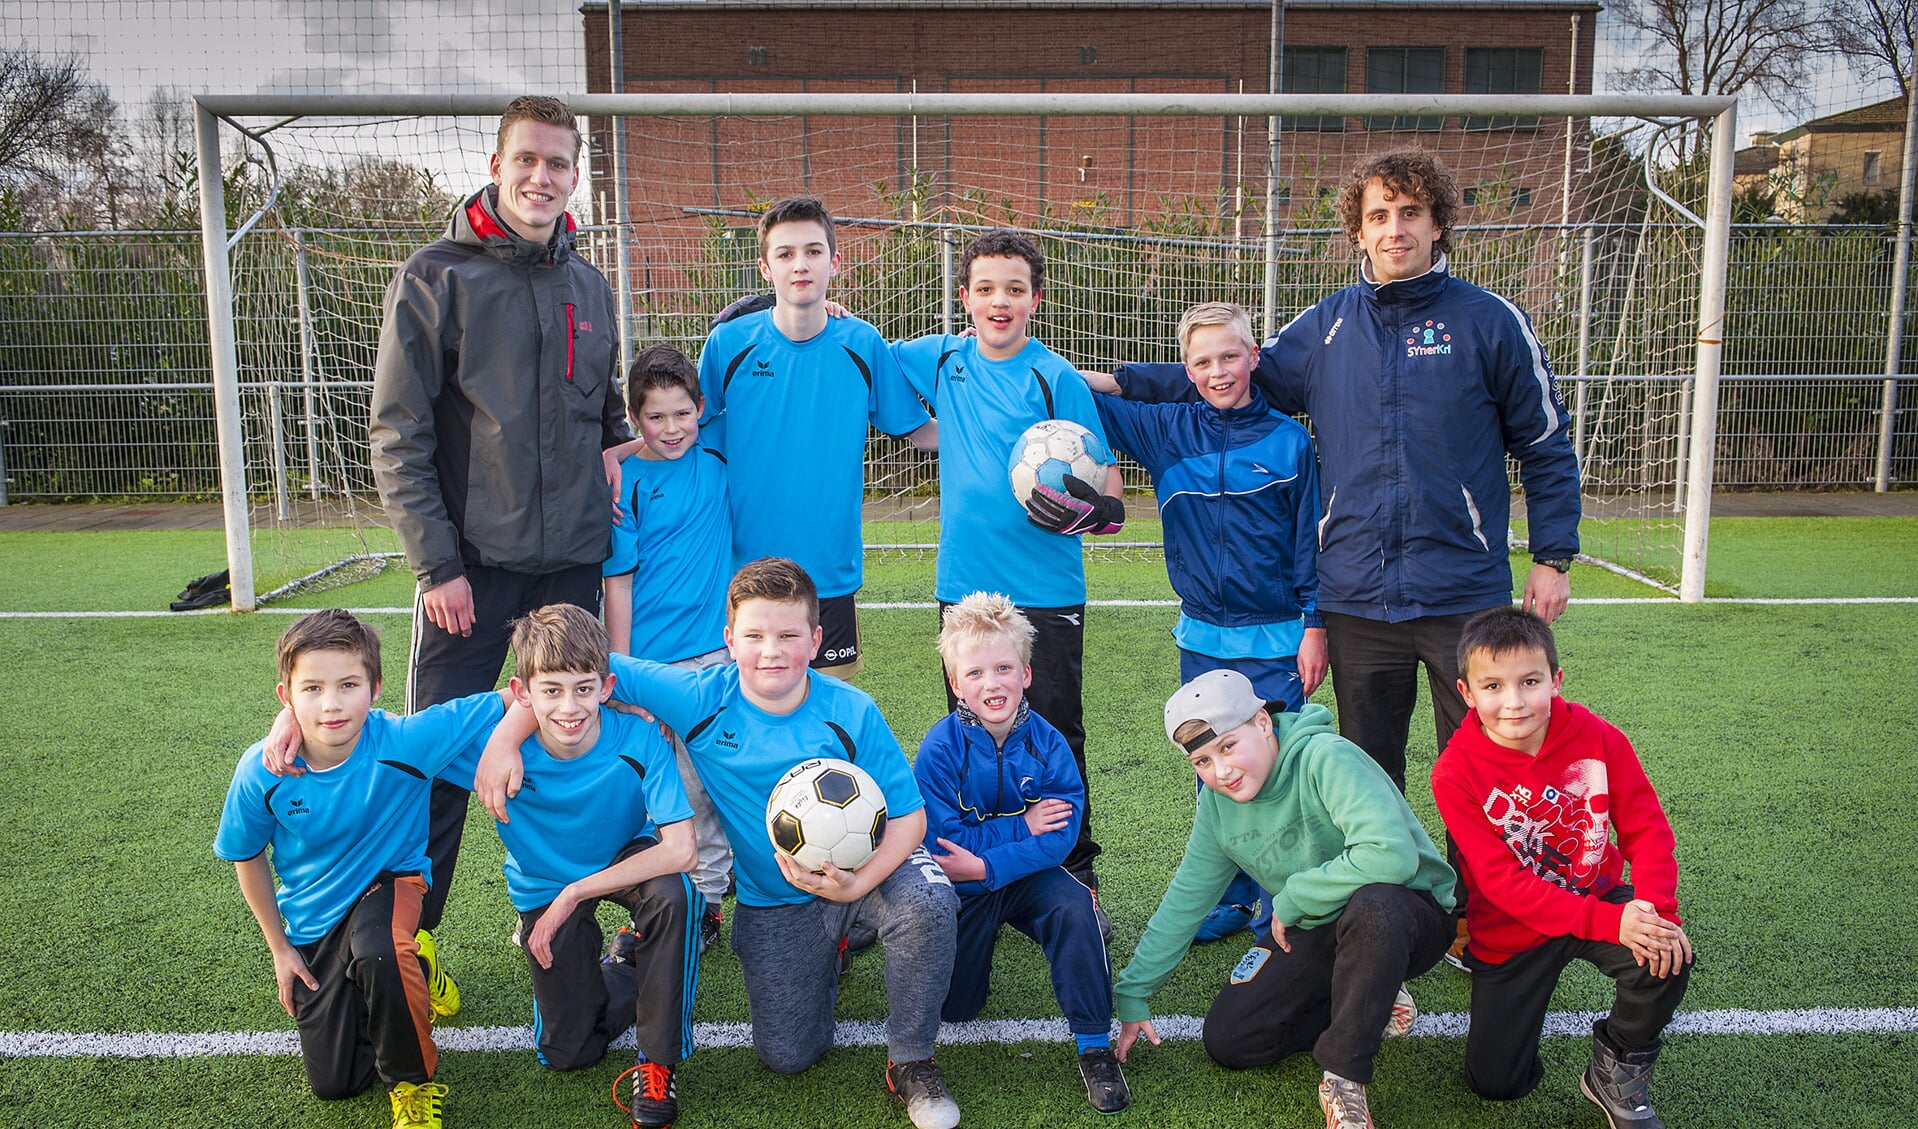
<point x="445" y="994"/>
<point x="417" y="1106"/>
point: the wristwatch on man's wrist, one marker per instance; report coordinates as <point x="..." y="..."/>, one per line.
<point x="1562" y="564"/>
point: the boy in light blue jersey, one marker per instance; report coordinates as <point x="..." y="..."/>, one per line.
<point x="789" y="393"/>
<point x="746" y="724"/>
<point x="603" y="818"/>
<point x="348" y="843"/>
<point x="1238" y="492"/>
<point x="985" y="392"/>
<point x="672" y="556"/>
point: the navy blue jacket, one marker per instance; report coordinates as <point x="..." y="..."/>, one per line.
<point x="1417" y="391"/>
<point x="976" y="795"/>
<point x="1238" y="492"/>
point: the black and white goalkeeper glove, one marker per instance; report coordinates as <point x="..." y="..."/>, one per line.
<point x="1081" y="510"/>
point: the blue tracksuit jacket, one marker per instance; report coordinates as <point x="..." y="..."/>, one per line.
<point x="1417" y="391"/>
<point x="976" y="796"/>
<point x="1238" y="492"/>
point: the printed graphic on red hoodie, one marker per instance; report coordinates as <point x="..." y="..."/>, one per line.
<point x="1542" y="838"/>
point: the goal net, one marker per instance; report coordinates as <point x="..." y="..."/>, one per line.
<point x="1587" y="212"/>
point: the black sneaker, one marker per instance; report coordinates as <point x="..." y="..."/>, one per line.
<point x="709" y="924"/>
<point x="922" y="1087"/>
<point x="655" y="1098"/>
<point x="1105" y="1082"/>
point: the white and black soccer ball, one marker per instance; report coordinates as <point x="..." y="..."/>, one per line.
<point x="1053" y="448"/>
<point x="826" y="809"/>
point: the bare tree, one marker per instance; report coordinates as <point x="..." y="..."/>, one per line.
<point x="53" y="118"/>
<point x="1724" y="46"/>
<point x="1876" y="37"/>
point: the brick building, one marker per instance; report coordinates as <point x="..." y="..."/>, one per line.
<point x="1114" y="171"/>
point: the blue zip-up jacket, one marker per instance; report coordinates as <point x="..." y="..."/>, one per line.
<point x="1417" y="391"/>
<point x="976" y="795"/>
<point x="1239" y="494"/>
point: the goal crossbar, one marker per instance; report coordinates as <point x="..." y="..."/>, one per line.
<point x="1720" y="112"/>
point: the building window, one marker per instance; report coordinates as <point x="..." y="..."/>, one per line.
<point x="1874" y="161"/>
<point x="1404" y="70"/>
<point x="1314" y="70"/>
<point x="1503" y="70"/>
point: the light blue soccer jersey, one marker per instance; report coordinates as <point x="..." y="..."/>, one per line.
<point x="741" y="751"/>
<point x="985" y="542"/>
<point x="790" y="418"/>
<point x="333" y="832"/>
<point x="674" y="535"/>
<point x="572" y="817"/>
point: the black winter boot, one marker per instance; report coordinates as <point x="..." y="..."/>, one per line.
<point x="1619" y="1082"/>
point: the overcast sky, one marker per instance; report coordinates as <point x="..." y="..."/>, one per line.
<point x="281" y="46"/>
<point x="369" y="46"/>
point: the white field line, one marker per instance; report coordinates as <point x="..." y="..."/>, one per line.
<point x="928" y="605"/>
<point x="1179" y="1028"/>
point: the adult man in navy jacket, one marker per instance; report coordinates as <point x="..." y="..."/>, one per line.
<point x="1418" y="385"/>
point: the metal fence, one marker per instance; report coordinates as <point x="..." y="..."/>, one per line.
<point x="105" y="386"/>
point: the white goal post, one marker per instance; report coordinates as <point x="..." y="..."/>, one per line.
<point x="1709" y="124"/>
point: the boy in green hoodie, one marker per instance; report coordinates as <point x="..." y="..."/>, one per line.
<point x="1361" y="900"/>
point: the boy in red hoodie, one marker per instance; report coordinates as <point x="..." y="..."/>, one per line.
<point x="1532" y="788"/>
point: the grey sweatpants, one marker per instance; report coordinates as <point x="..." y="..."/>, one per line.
<point x="789" y="956"/>
<point x="713" y="873"/>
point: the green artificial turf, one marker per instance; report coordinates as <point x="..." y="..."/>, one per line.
<point x="1777" y="736"/>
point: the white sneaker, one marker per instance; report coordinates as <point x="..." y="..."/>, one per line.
<point x="1343" y="1101"/>
<point x="1404" y="1012"/>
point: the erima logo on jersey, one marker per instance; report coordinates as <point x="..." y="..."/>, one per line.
<point x="958" y="374"/>
<point x="1334" y="331"/>
<point x="657" y="494"/>
<point x="298" y="807"/>
<point x="1429" y="340"/>
<point x="728" y="738"/>
<point x="761" y="368"/>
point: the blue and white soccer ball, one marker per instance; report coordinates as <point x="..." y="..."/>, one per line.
<point x="823" y="810"/>
<point x="1053" y="448"/>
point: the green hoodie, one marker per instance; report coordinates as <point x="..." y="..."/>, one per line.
<point x="1327" y="822"/>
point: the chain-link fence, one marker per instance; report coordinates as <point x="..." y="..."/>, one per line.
<point x="105" y="386"/>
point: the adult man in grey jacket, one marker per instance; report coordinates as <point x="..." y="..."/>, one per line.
<point x="495" y="391"/>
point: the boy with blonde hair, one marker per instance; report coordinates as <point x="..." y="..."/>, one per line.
<point x="1238" y="490"/>
<point x="348" y="845"/>
<point x="605" y="819"/>
<point x="1533" y="789"/>
<point x="746" y="724"/>
<point x="1003" y="804"/>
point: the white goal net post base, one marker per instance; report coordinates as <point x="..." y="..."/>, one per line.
<point x="1651" y="429"/>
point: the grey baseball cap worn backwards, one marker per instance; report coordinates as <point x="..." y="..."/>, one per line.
<point x="1222" y="699"/>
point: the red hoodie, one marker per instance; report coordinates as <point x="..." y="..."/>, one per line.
<point x="1534" y="833"/>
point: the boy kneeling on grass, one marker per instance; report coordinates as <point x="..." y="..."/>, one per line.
<point x="348" y="842"/>
<point x="1531" y="788"/>
<point x="745" y="724"/>
<point x="603" y="817"/>
<point x="1361" y="900"/>
<point x="1003" y="805"/>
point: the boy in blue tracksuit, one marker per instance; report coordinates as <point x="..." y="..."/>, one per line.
<point x="1003" y="804"/>
<point x="1238" y="491"/>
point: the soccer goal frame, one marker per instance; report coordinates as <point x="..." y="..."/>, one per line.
<point x="1699" y="409"/>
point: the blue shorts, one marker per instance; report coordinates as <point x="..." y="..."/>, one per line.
<point x="1275" y="680"/>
